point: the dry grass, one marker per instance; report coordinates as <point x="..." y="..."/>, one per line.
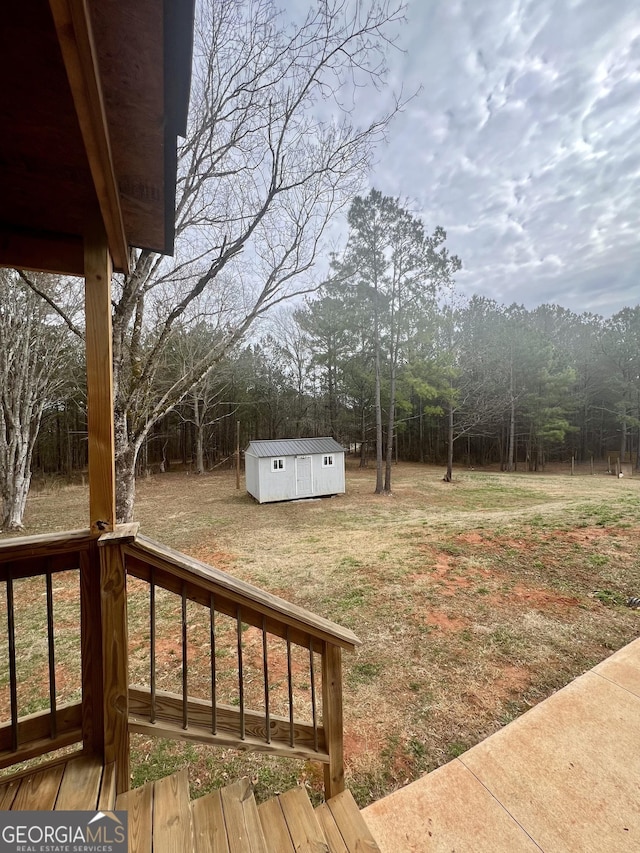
<point x="474" y="600"/>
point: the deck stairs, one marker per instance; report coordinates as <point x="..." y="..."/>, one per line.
<point x="162" y="818"/>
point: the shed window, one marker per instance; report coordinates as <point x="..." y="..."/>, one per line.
<point x="327" y="461"/>
<point x="277" y="464"/>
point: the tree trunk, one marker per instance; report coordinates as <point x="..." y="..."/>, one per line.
<point x="448" y="477"/>
<point x="15" y="480"/>
<point x="363" y="442"/>
<point x="126" y="454"/>
<point x="390" y="428"/>
<point x="378" y="403"/>
<point x="512" y="436"/>
<point x="199" y="435"/>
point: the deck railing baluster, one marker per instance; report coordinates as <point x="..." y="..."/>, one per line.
<point x="185" y="693"/>
<point x="13" y="680"/>
<point x="52" y="659"/>
<point x="290" y="680"/>
<point x="152" y="643"/>
<point x="240" y="673"/>
<point x="314" y="709"/>
<point x="265" y="666"/>
<point x="214" y="701"/>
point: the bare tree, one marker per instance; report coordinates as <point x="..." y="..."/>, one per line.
<point x="273" y="152"/>
<point x="33" y="342"/>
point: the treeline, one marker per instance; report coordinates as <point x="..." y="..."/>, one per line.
<point x="475" y="384"/>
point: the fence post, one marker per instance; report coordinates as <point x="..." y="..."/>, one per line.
<point x="332" y="719"/>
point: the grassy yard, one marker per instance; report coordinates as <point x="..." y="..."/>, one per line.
<point x="474" y="600"/>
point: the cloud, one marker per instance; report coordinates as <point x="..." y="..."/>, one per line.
<point x="525" y="145"/>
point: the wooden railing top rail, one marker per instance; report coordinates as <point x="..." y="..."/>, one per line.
<point x="45" y="544"/>
<point x="250" y="598"/>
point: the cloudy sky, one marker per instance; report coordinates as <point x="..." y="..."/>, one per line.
<point x="524" y="144"/>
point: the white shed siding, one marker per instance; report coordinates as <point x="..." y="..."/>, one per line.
<point x="252" y="475"/>
<point x="329" y="480"/>
<point x="277" y="485"/>
<point x="293" y="482"/>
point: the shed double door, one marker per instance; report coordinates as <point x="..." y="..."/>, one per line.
<point x="304" y="477"/>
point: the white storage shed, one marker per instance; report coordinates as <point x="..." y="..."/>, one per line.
<point x="288" y="469"/>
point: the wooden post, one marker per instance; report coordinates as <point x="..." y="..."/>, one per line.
<point x="332" y="719"/>
<point x="91" y="651"/>
<point x="115" y="659"/>
<point x="592" y="464"/>
<point x="237" y="454"/>
<point x="102" y="480"/>
<point x="573" y="465"/>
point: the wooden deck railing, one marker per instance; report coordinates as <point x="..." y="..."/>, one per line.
<point x="272" y="670"/>
<point x="27" y="611"/>
<point x="261" y="635"/>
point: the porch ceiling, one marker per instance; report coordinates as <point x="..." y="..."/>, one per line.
<point x="95" y="94"/>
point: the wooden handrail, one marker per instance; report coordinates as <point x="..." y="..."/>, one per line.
<point x="45" y="544"/>
<point x="30" y="556"/>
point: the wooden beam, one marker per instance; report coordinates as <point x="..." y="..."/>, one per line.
<point x="169" y="723"/>
<point x="75" y="36"/>
<point x="42" y="251"/>
<point x="102" y="478"/>
<point x="37" y="727"/>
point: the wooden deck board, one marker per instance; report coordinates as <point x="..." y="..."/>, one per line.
<point x="274" y="827"/>
<point x="39" y="790"/>
<point x="301" y="821"/>
<point x="80" y="786"/>
<point x="107" y="798"/>
<point x="244" y="830"/>
<point x="209" y="832"/>
<point x="139" y="804"/>
<point x="8" y="791"/>
<point x="172" y="832"/>
<point x="354" y="830"/>
<point x="330" y="829"/>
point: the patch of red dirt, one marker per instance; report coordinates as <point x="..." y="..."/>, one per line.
<point x="169" y="651"/>
<point x="448" y="584"/>
<point x="276" y="657"/>
<point x="212" y="557"/>
<point x="512" y="679"/>
<point x="363" y="740"/>
<point x="585" y="534"/>
<point x="438" y="619"/>
<point x="472" y="538"/>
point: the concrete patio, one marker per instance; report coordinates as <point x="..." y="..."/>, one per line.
<point x="563" y="778"/>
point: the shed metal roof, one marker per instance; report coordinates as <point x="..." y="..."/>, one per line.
<point x="294" y="446"/>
